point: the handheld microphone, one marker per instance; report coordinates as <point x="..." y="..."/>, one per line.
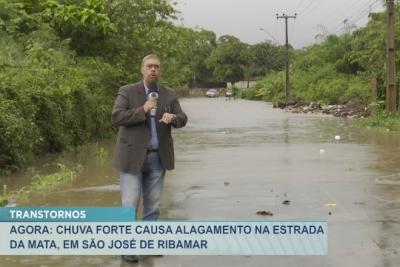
<point x="153" y="95"/>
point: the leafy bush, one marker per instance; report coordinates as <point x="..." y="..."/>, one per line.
<point x="251" y="93"/>
<point x="18" y="135"/>
<point x="49" y="100"/>
<point x="381" y="119"/>
<point x="315" y="83"/>
<point x="42" y="184"/>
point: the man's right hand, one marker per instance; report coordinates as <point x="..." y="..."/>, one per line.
<point x="151" y="103"/>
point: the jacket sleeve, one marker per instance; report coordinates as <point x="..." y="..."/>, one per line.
<point x="121" y="114"/>
<point x="181" y="118"/>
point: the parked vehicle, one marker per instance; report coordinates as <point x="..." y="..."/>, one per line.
<point x="212" y="93"/>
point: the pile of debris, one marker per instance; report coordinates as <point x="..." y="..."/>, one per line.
<point x="349" y="110"/>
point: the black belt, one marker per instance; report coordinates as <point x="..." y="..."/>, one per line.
<point x="151" y="150"/>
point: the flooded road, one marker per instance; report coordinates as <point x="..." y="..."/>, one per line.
<point x="238" y="157"/>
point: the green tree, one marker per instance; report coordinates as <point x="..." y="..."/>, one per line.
<point x="228" y="60"/>
<point x="142" y="27"/>
<point x="264" y="58"/>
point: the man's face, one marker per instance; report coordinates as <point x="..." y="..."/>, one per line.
<point x="151" y="71"/>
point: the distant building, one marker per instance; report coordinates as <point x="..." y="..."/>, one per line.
<point x="242" y="84"/>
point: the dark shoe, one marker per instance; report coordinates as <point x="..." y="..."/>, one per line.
<point x="130" y="258"/>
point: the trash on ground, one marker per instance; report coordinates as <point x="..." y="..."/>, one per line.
<point x="226" y="183"/>
<point x="286" y="202"/>
<point x="337" y="137"/>
<point x="264" y="213"/>
<point x="330" y="205"/>
<point x="359" y="203"/>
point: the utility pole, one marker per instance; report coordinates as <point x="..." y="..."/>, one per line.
<point x="391" y="92"/>
<point x="286" y="17"/>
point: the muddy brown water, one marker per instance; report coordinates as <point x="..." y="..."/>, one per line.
<point x="238" y="157"/>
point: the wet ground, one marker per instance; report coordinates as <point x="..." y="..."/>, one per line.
<point x="235" y="158"/>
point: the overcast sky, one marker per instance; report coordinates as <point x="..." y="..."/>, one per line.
<point x="244" y="18"/>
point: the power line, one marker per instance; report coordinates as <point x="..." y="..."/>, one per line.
<point x="367" y="9"/>
<point x="297" y="7"/>
<point x="312" y="2"/>
<point x="294" y="29"/>
<point x="348" y="5"/>
<point x="356" y="12"/>
<point x="360" y="13"/>
<point x="312" y="9"/>
<point x="364" y="9"/>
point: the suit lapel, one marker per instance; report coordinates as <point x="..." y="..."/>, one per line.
<point x="161" y="102"/>
<point x="141" y="94"/>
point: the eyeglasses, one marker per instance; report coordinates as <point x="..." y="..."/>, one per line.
<point x="155" y="66"/>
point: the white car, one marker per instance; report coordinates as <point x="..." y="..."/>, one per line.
<point x="212" y="93"/>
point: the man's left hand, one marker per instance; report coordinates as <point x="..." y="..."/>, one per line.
<point x="168" y="118"/>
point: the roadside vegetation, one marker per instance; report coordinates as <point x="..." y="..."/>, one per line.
<point x="389" y="122"/>
<point x="57" y="174"/>
<point x="339" y="70"/>
<point x="41" y="184"/>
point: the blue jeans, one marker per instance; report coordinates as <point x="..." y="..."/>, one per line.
<point x="149" y="181"/>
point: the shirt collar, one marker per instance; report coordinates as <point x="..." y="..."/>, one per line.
<point x="147" y="89"/>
